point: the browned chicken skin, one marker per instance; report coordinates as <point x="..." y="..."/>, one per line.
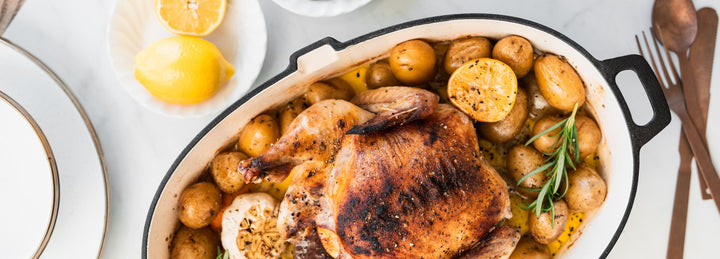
<point x="411" y="182"/>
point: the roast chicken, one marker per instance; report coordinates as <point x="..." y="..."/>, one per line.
<point x="390" y="174"/>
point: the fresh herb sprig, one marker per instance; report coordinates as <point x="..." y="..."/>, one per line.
<point x="566" y="154"/>
<point x="222" y="254"/>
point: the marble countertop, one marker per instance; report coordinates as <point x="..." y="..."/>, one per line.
<point x="139" y="145"/>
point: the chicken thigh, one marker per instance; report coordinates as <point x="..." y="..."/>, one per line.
<point x="408" y="181"/>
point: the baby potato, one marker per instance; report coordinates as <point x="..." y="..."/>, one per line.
<point x="528" y="248"/>
<point x="199" y="204"/>
<point x="191" y="243"/>
<point x="537" y="105"/>
<point x="224" y="171"/>
<point x="413" y="62"/>
<point x="542" y="228"/>
<point x="515" y="51"/>
<point x="258" y="135"/>
<point x="559" y="83"/>
<point x="288" y="113"/>
<point x="331" y="89"/>
<point x="464" y="50"/>
<point x="508" y="127"/>
<point x="379" y="75"/>
<point x="546" y="142"/>
<point x="521" y="160"/>
<point x="586" y="190"/>
<point x="588" y="135"/>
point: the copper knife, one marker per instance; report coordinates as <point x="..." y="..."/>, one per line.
<point x="701" y="58"/>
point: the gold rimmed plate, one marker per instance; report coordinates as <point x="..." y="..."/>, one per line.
<point x="27" y="170"/>
<point x="54" y="186"/>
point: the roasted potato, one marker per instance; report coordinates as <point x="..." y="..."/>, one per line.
<point x="199" y="204"/>
<point x="542" y="228"/>
<point x="224" y="171"/>
<point x="379" y="75"/>
<point x="588" y="135"/>
<point x="521" y="160"/>
<point x="515" y="51"/>
<point x="191" y="243"/>
<point x="545" y="143"/>
<point x="508" y="127"/>
<point x="413" y="62"/>
<point x="586" y="190"/>
<point x="258" y="135"/>
<point x="331" y="89"/>
<point x="528" y="248"/>
<point x="287" y="113"/>
<point x="537" y="105"/>
<point x="464" y="50"/>
<point x="559" y="83"/>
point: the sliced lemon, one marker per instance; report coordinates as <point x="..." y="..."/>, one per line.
<point x="190" y="17"/>
<point x="483" y="88"/>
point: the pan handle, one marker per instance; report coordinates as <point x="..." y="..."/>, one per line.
<point x="640" y="134"/>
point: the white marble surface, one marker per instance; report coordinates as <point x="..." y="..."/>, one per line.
<point x="70" y="37"/>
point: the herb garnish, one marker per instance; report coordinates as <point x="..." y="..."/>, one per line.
<point x="567" y="153"/>
<point x="221" y="254"/>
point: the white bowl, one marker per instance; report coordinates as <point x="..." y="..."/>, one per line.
<point x="321" y="8"/>
<point x="618" y="152"/>
<point x="242" y="39"/>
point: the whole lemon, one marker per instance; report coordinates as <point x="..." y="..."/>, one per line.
<point x="182" y="70"/>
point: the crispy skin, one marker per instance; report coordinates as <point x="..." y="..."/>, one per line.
<point x="499" y="244"/>
<point x="313" y="136"/>
<point x="421" y="189"/>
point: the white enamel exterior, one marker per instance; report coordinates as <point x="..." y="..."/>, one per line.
<point x="616" y="151"/>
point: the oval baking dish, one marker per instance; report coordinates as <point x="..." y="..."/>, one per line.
<point x="618" y="151"/>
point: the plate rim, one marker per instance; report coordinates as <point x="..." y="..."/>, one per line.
<point x="53" y="170"/>
<point x="88" y="124"/>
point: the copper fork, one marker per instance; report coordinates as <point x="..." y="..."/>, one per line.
<point x="672" y="87"/>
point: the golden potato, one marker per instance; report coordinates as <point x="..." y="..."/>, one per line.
<point x="515" y="51"/>
<point x="559" y="83"/>
<point x="588" y="135"/>
<point x="319" y="91"/>
<point x="288" y="113"/>
<point x="413" y="62"/>
<point x="191" y="243"/>
<point x="528" y="248"/>
<point x="521" y="160"/>
<point x="379" y="75"/>
<point x="537" y="105"/>
<point x="508" y="127"/>
<point x="199" y="204"/>
<point x="586" y="190"/>
<point x="542" y="228"/>
<point x="224" y="171"/>
<point x="258" y="135"/>
<point x="545" y="143"/>
<point x="464" y="50"/>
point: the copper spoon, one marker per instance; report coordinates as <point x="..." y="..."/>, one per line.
<point x="8" y="10"/>
<point x="677" y="20"/>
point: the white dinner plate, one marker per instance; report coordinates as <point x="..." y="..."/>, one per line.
<point x="82" y="205"/>
<point x="27" y="170"/>
<point x="241" y="38"/>
<point x="321" y="8"/>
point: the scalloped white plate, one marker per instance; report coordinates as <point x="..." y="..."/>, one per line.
<point x="242" y="39"/>
<point x="321" y="8"/>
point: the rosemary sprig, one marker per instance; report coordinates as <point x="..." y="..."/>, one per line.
<point x="566" y="155"/>
<point x="222" y="254"/>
